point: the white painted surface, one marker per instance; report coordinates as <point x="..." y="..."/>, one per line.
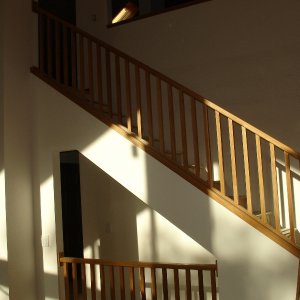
<point x="16" y="204"/>
<point x="4" y="289"/>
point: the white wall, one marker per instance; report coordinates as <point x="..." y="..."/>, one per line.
<point x="250" y="265"/>
<point x="4" y="289"/>
<point x="16" y="57"/>
<point x="242" y="55"/>
<point x="126" y="228"/>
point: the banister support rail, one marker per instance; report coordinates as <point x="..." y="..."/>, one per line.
<point x="100" y="279"/>
<point x="224" y="156"/>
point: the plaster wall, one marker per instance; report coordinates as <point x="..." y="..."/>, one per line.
<point x="125" y="228"/>
<point x="246" y="258"/>
<point x="242" y="55"/>
<point x="4" y="289"/>
<point x="16" y="194"/>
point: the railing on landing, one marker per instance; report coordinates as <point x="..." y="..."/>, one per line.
<point x="224" y="156"/>
<point x="94" y="278"/>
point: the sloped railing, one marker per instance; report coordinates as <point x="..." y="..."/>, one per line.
<point x="243" y="168"/>
<point x="99" y="279"/>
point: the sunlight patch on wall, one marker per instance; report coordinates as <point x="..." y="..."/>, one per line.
<point x="48" y="238"/>
<point x="4" y="292"/>
<point x="116" y="156"/>
<point x="160" y="240"/>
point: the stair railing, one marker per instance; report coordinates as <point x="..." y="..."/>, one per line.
<point x="95" y="278"/>
<point x="229" y="159"/>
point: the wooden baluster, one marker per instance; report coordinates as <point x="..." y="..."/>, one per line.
<point x="93" y="281"/>
<point x="165" y="283"/>
<point x="213" y="284"/>
<point x="66" y="280"/>
<point x="66" y="55"/>
<point x="102" y="277"/>
<point x="132" y="283"/>
<point x="171" y="122"/>
<point x="118" y="88"/>
<point x="233" y="163"/>
<point x="183" y="129"/>
<point x="275" y="187"/>
<point x="160" y="116"/>
<point x="207" y="146"/>
<point x="49" y="48"/>
<point x="122" y="283"/>
<point x="74" y="280"/>
<point x="195" y="137"/>
<point x="247" y="169"/>
<point x="153" y="284"/>
<point x="57" y="52"/>
<point x="142" y="283"/>
<point x="260" y="179"/>
<point x="108" y="82"/>
<point x="83" y="281"/>
<point x="81" y="64"/>
<point x="128" y="97"/>
<point x="91" y="72"/>
<point x="42" y="42"/>
<point x="188" y="284"/>
<point x="200" y="285"/>
<point x="290" y="196"/>
<point x="176" y="284"/>
<point x="149" y="108"/>
<point x="220" y="153"/>
<point x="73" y="58"/>
<point x="138" y="101"/>
<point x="112" y="283"/>
<point x="99" y="78"/>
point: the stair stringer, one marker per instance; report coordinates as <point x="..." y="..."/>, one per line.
<point x="251" y="266"/>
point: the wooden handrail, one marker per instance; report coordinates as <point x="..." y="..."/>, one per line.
<point x="119" y="277"/>
<point x="138" y="264"/>
<point x="179" y="127"/>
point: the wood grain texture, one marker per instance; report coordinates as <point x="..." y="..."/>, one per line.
<point x="91" y="71"/>
<point x="149" y="108"/>
<point x="207" y="146"/>
<point x="138" y="101"/>
<point x="160" y="116"/>
<point x="183" y="129"/>
<point x="275" y="187"/>
<point x="118" y="88"/>
<point x="260" y="180"/>
<point x="247" y="170"/>
<point x="128" y="97"/>
<point x="142" y="283"/>
<point x="233" y="162"/>
<point x="99" y="78"/>
<point x="195" y="137"/>
<point x="171" y="122"/>
<point x="290" y="196"/>
<point x="220" y="153"/>
<point x="108" y="82"/>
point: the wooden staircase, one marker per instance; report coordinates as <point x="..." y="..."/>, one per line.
<point x="233" y="162"/>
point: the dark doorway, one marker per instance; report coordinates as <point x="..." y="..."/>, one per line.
<point x="71" y="204"/>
